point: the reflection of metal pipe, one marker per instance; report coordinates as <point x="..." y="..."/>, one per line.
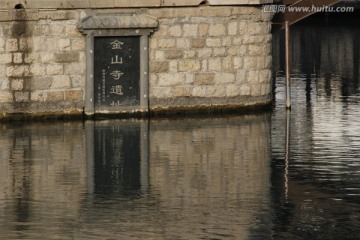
<point x="287" y="64"/>
<point x="287" y="151"/>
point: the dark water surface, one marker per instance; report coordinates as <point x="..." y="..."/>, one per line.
<point x="229" y="177"/>
<point x="316" y="179"/>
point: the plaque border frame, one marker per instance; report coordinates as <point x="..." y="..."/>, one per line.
<point x="115" y="28"/>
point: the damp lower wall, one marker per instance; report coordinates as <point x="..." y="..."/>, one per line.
<point x="203" y="55"/>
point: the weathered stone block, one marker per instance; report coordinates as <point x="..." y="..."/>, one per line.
<point x="12" y="45"/>
<point x="245" y="90"/>
<point x="240" y="76"/>
<point x="183" y="43"/>
<point x="61" y="82"/>
<point x="266" y="89"/>
<point x="74" y="68"/>
<point x="182" y="91"/>
<point x="166" y="43"/>
<point x="204" y="78"/>
<point x="37" y="96"/>
<point x="171" y="79"/>
<point x="189" y="65"/>
<point x="2" y="73"/>
<point x="17" y="71"/>
<point x="159" y="66"/>
<point x="162" y="32"/>
<point x="31" y="57"/>
<point x="250" y="63"/>
<point x="41" y="83"/>
<point x="41" y="30"/>
<point x="38" y="69"/>
<point x="162" y="12"/>
<point x="198" y="43"/>
<point x="71" y="30"/>
<point x="216" y="91"/>
<point x="174" y="54"/>
<point x="238" y="40"/>
<point x="40" y="43"/>
<point x="175" y="31"/>
<point x="232" y="28"/>
<point x="77" y="81"/>
<point x="214" y="64"/>
<point x="6" y="97"/>
<point x="203" y="29"/>
<point x="64" y="45"/>
<point x="78" y="44"/>
<point x="227" y="64"/>
<point x="265" y="76"/>
<point x="255" y="50"/>
<point x="190" y="30"/>
<point x="17" y="58"/>
<point x="255" y="90"/>
<point x="17" y="84"/>
<point x="57" y="29"/>
<point x="224" y="78"/>
<point x="47" y="58"/>
<point x="2" y="45"/>
<point x="253" y="77"/>
<point x="189" y="54"/>
<point x="159" y="55"/>
<point x="232" y="91"/>
<point x="59" y="15"/>
<point x="161" y="92"/>
<point x="219" y="52"/>
<point x="216" y="12"/>
<point x="199" y="91"/>
<point x="55" y="69"/>
<point x="227" y="41"/>
<point x="258" y="28"/>
<point x="20" y="96"/>
<point x="213" y="42"/>
<point x="68" y="57"/>
<point x="26" y="44"/>
<point x="204" y="53"/>
<point x="238" y="62"/>
<point x="54" y="96"/>
<point x="5" y="58"/>
<point x="204" y="65"/>
<point x="243" y="27"/>
<point x="217" y="30"/>
<point x="73" y="95"/>
<point x="173" y="66"/>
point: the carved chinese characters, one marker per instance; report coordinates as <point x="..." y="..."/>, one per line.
<point x="116" y="71"/>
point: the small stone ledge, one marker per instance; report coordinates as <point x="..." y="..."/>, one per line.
<point x="117" y="21"/>
<point x="175" y="111"/>
<point x="93" y="4"/>
<point x="35" y="15"/>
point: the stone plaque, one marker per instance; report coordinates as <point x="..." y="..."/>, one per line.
<point x="116" y="71"/>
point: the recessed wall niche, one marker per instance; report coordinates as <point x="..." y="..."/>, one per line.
<point x="117" y="62"/>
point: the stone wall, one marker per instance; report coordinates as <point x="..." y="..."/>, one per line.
<point x="202" y="56"/>
<point x="42" y="63"/>
<point x="210" y="56"/>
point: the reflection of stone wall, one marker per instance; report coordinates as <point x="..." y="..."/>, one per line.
<point x="211" y="174"/>
<point x="43" y="174"/>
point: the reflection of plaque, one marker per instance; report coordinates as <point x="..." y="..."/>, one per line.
<point x="116" y="71"/>
<point x="120" y="157"/>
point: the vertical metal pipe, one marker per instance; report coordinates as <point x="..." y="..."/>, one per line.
<point x="287" y="65"/>
<point x="287" y="151"/>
